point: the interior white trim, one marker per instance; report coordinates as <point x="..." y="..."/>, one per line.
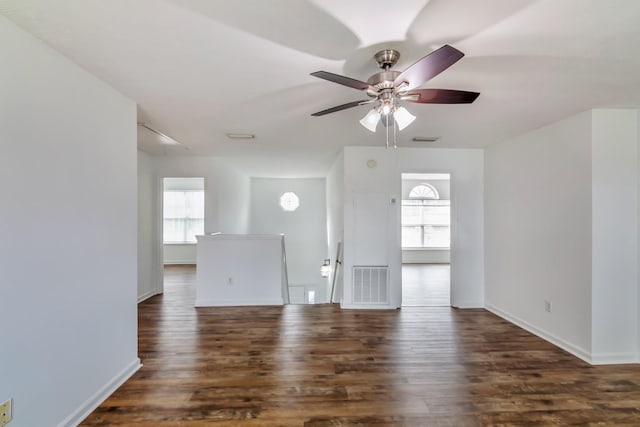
<point x="467" y="304"/>
<point x="368" y="306"/>
<point x="180" y="262"/>
<point x="237" y="302"/>
<point x="101" y="395"/>
<point x="147" y="295"/>
<point x="577" y="351"/>
<point x="614" y="358"/>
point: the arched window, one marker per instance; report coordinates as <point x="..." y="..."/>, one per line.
<point x="424" y="191"/>
<point x="425" y="219"/>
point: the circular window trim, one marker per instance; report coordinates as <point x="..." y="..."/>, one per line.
<point x="289" y="201"/>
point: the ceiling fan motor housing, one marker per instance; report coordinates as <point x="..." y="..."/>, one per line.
<point x="381" y="81"/>
<point x="387" y="58"/>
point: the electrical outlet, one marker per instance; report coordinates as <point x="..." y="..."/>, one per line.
<point x="5" y="413"/>
<point x="547" y="306"/>
<point x="230" y="281"/>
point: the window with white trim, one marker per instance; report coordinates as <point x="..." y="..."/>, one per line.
<point x="183" y="215"/>
<point x="426" y="220"/>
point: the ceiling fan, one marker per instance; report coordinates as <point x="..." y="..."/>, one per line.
<point x="387" y="88"/>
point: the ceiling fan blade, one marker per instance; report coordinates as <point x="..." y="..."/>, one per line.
<point x="342" y="107"/>
<point x="440" y="96"/>
<point x="342" y="80"/>
<point x="429" y="66"/>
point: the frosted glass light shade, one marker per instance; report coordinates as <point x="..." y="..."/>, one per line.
<point x="370" y="121"/>
<point x="325" y="269"/>
<point x="403" y="117"/>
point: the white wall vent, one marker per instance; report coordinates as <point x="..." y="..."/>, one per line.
<point x="370" y="284"/>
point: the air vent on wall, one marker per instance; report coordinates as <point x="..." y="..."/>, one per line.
<point x="370" y="284"/>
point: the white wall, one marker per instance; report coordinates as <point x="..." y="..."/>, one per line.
<point x="561" y="225"/>
<point x="305" y="229"/>
<point x="538" y="231"/>
<point x="615" y="227"/>
<point x="638" y="241"/>
<point x="148" y="280"/>
<point x="467" y="195"/>
<point x="226" y="195"/>
<point x="68" y="223"/>
<point x="335" y="219"/>
<point x="240" y="270"/>
<point x="179" y="253"/>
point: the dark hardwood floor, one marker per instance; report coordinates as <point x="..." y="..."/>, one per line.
<point x="313" y="366"/>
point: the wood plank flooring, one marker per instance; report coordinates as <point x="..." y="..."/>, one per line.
<point x="319" y="366"/>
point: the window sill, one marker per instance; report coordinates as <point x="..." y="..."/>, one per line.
<point x="180" y="243"/>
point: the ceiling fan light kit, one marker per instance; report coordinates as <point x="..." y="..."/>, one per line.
<point x="387" y="88"/>
<point x="370" y="121"/>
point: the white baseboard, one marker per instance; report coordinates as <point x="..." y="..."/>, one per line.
<point x="367" y="307"/>
<point x="468" y="304"/>
<point x="577" y="351"/>
<point x="100" y="396"/>
<point x="237" y="302"/>
<point x="147" y="295"/>
<point x="614" y="358"/>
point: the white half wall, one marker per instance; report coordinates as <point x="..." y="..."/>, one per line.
<point x="467" y="196"/>
<point x="305" y="229"/>
<point x="148" y="280"/>
<point x="240" y="270"/>
<point x="68" y="252"/>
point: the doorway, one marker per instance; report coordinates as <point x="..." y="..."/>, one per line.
<point x="426" y="239"/>
<point x="182" y="220"/>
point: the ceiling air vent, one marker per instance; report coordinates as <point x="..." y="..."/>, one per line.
<point x="425" y="138"/>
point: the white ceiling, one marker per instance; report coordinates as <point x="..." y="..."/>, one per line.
<point x="200" y="69"/>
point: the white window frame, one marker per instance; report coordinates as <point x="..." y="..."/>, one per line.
<point x="185" y="241"/>
<point x="416" y="194"/>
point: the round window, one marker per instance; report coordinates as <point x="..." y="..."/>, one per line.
<point x="289" y="201"/>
